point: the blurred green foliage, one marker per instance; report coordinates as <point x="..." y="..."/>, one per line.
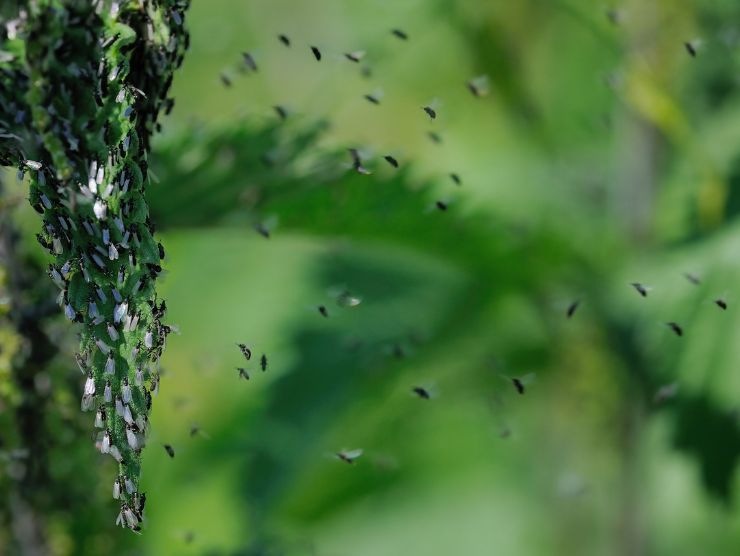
<point x="605" y="154"/>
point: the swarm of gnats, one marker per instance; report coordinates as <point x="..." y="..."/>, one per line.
<point x="82" y="85"/>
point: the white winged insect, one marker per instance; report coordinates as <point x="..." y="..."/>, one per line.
<point x="479" y="86"/>
<point x="349" y="456"/>
<point x="344" y="296"/>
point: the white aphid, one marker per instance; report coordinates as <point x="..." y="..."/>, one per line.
<point x="127" y="416"/>
<point x="126" y="391"/>
<point x="119" y="311"/>
<point x="141" y="423"/>
<point x="131" y="437"/>
<point x="87" y="403"/>
<point x="100" y="419"/>
<point x="116" y="453"/>
<point x="98" y="261"/>
<point x="107" y="395"/>
<point x="112" y="332"/>
<point x="69" y="312"/>
<point x="110" y="365"/>
<point x="100" y="208"/>
<point x="89" y="385"/>
<point x="105" y="444"/>
<point x="66" y="267"/>
<point x="131" y="520"/>
<point x="56" y="277"/>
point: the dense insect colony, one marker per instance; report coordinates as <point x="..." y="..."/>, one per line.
<point x="81" y="88"/>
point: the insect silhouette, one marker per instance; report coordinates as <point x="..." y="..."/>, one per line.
<point x="691" y="48"/>
<point x="721" y="303"/>
<point x="422" y="392"/>
<point x="665" y="393"/>
<point x="281" y="111"/>
<point x="349" y="456"/>
<point x="373" y="98"/>
<point x="249" y="61"/>
<point x="263" y="362"/>
<point x="431" y="112"/>
<point x="357" y="163"/>
<point x="345" y="298"/>
<point x="441" y="205"/>
<point x="641" y="289"/>
<point x="284" y="39"/>
<point x="355" y="56"/>
<point x="226" y="80"/>
<point x="520" y="383"/>
<point x="243" y="373"/>
<point x="434" y="137"/>
<point x="316" y="53"/>
<point x="614" y="16"/>
<point x="169" y="449"/>
<point x="323" y="311"/>
<point x="391" y="160"/>
<point x="246" y="352"/>
<point x="677" y="330"/>
<point x="262" y="230"/>
<point x="195" y="429"/>
<point x="572" y="308"/>
<point x="693" y="278"/>
<point x="455" y="178"/>
<point x="400" y="34"/>
<point x="478" y="86"/>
